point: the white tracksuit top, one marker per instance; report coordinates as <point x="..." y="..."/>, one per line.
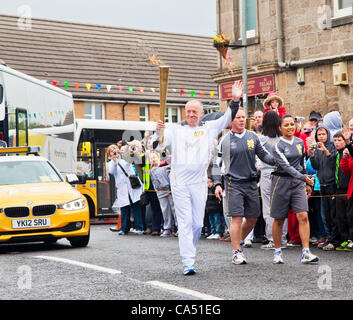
<point x="191" y="149"/>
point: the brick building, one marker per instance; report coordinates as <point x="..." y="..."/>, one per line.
<point x="301" y="49"/>
<point x="113" y="72"/>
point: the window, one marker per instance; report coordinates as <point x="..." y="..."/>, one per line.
<point x="250" y="18"/>
<point x="143" y="113"/>
<point x="210" y="109"/>
<point x="94" y="111"/>
<point x="172" y="114"/>
<point x="342" y="8"/>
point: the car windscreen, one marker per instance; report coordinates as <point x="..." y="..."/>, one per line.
<point x="23" y="172"/>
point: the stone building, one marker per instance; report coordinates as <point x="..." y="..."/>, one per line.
<point x="112" y="72"/>
<point x="301" y="49"/>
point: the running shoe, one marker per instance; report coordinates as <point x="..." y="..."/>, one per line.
<point x="277" y="258"/>
<point x="166" y="233"/>
<point x="328" y="247"/>
<point x="238" y="257"/>
<point x="189" y="270"/>
<point x="349" y="246"/>
<point x="226" y="238"/>
<point x="308" y="257"/>
<point x="320" y="245"/>
<point x="271" y="246"/>
<point x="247" y="243"/>
<point x="292" y="244"/>
<point x="343" y="246"/>
<point x="268" y="246"/>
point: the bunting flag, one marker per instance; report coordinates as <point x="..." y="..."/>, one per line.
<point x="109" y="87"/>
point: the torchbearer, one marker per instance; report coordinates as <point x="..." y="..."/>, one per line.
<point x="190" y="145"/>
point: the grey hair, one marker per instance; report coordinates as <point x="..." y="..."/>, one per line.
<point x="193" y="102"/>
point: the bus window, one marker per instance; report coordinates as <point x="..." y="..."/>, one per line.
<point x="2" y="103"/>
<point x="21" y="128"/>
<point x="84" y="159"/>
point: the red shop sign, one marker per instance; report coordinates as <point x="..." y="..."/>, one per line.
<point x="256" y="86"/>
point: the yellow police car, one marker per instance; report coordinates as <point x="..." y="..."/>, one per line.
<point x="36" y="203"/>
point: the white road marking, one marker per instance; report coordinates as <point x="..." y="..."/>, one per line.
<point x="81" y="264"/>
<point x="183" y="290"/>
<point x="159" y="284"/>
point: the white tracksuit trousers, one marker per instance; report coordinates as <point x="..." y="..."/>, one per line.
<point x="189" y="204"/>
<point x="265" y="186"/>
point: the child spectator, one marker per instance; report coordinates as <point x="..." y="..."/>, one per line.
<point x="213" y="211"/>
<point x="346" y="165"/>
<point x="161" y="183"/>
<point x="342" y="181"/>
<point x="275" y="103"/>
<point x="323" y="159"/>
<point x="318" y="232"/>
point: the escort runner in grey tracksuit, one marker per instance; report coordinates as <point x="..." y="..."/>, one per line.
<point x="240" y="174"/>
<point x="288" y="183"/>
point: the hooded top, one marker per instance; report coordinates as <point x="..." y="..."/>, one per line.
<point x="325" y="166"/>
<point x="333" y="122"/>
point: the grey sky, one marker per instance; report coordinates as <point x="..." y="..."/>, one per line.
<point x="197" y="17"/>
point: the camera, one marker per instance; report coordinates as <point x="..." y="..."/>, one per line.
<point x="299" y="119"/>
<point x="114" y="152"/>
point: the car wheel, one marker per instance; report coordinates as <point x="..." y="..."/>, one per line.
<point x="80" y="241"/>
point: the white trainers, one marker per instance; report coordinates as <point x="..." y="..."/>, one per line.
<point x="308" y="257"/>
<point x="214" y="236"/>
<point x="238" y="257"/>
<point x="277" y="258"/>
<point x="269" y="246"/>
<point x="247" y="243"/>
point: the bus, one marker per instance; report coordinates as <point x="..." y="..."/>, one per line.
<point x="35" y="113"/>
<point x="93" y="137"/>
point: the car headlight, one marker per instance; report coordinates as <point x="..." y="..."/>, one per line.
<point x="73" y="205"/>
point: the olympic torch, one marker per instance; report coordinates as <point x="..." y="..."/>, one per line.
<point x="163" y="88"/>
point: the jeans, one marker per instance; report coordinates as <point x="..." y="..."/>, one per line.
<point x="215" y="222"/>
<point x="329" y="203"/>
<point x="135" y="209"/>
